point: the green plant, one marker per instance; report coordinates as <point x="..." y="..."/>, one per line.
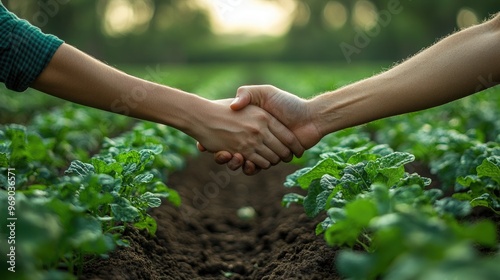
<point x="483" y="186"/>
<point x="396" y="227"/>
<point x="51" y="235"/>
<point x="87" y="207"/>
<point x="124" y="186"/>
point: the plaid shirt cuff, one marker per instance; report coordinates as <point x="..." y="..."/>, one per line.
<point x="24" y="51"/>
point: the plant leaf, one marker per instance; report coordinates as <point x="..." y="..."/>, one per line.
<point x="354" y="265"/>
<point x="326" y="166"/>
<point x="290" y="198"/>
<point x="291" y="180"/>
<point x="143" y="178"/>
<point x="101" y="167"/>
<point x="123" y="211"/>
<point x="148" y="224"/>
<point x="449" y="205"/>
<point x="4" y="160"/>
<point x="80" y="169"/>
<point x="151" y="199"/>
<point x="490" y="169"/>
<point x="389" y="166"/>
<point x="316" y="198"/>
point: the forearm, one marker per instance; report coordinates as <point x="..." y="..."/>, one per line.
<point x="451" y="69"/>
<point x="77" y="77"/>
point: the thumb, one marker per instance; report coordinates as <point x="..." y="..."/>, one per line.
<point x="244" y="97"/>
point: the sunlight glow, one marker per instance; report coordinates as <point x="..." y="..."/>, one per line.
<point x="302" y="14"/>
<point x="365" y="14"/>
<point x="250" y="17"/>
<point x="466" y="17"/>
<point x="124" y="16"/>
<point x="335" y="14"/>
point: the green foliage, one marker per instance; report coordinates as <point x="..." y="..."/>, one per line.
<point x="395" y="227"/>
<point x="452" y="139"/>
<point x="131" y="187"/>
<point x="168" y="145"/>
<point x="66" y="219"/>
<point x="30" y="153"/>
<point x="50" y="234"/>
<point x="77" y="131"/>
<point x="345" y="173"/>
<point x="484" y="185"/>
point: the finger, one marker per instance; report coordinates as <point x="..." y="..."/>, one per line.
<point x="268" y="154"/>
<point x="259" y="160"/>
<point x="200" y="147"/>
<point x="249" y="168"/>
<point x="236" y="162"/>
<point x="222" y="157"/>
<point x="286" y="138"/>
<point x="288" y="159"/>
<point x="275" y="151"/>
<point x="283" y="142"/>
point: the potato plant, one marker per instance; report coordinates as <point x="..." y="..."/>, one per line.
<point x="389" y="222"/>
<point x="70" y="216"/>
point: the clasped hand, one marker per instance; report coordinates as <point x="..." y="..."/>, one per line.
<point x="283" y="127"/>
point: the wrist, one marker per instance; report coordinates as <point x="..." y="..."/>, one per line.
<point x="188" y="113"/>
<point x="339" y="109"/>
<point x="323" y="114"/>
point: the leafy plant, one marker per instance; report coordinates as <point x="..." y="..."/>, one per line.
<point x="51" y="234"/>
<point x="123" y="181"/>
<point x="398" y="227"/>
<point x="483" y="186"/>
<point x="30" y="154"/>
<point x="87" y="207"/>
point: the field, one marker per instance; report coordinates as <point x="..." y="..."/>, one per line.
<point x="87" y="194"/>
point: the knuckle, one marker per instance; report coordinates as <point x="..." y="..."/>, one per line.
<point x="262" y="116"/>
<point x="254" y="131"/>
<point x="242" y="89"/>
<point x="269" y="87"/>
<point x="286" y="153"/>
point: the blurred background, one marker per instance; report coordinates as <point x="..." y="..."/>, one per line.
<point x="195" y="31"/>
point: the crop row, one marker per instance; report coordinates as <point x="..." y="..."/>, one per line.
<point x="66" y="215"/>
<point x="391" y="224"/>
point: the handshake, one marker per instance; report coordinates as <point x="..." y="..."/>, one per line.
<point x="274" y="125"/>
<point x="263" y="125"/>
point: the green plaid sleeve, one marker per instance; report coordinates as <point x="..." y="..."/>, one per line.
<point x="24" y="51"/>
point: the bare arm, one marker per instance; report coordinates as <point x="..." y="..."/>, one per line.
<point x="446" y="71"/>
<point x="77" y="77"/>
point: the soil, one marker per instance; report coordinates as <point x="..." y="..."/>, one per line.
<point x="205" y="239"/>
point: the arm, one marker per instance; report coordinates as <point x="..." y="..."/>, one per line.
<point x="29" y="57"/>
<point x="75" y="76"/>
<point x="449" y="70"/>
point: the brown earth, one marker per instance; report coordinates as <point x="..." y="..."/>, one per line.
<point x="205" y="238"/>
